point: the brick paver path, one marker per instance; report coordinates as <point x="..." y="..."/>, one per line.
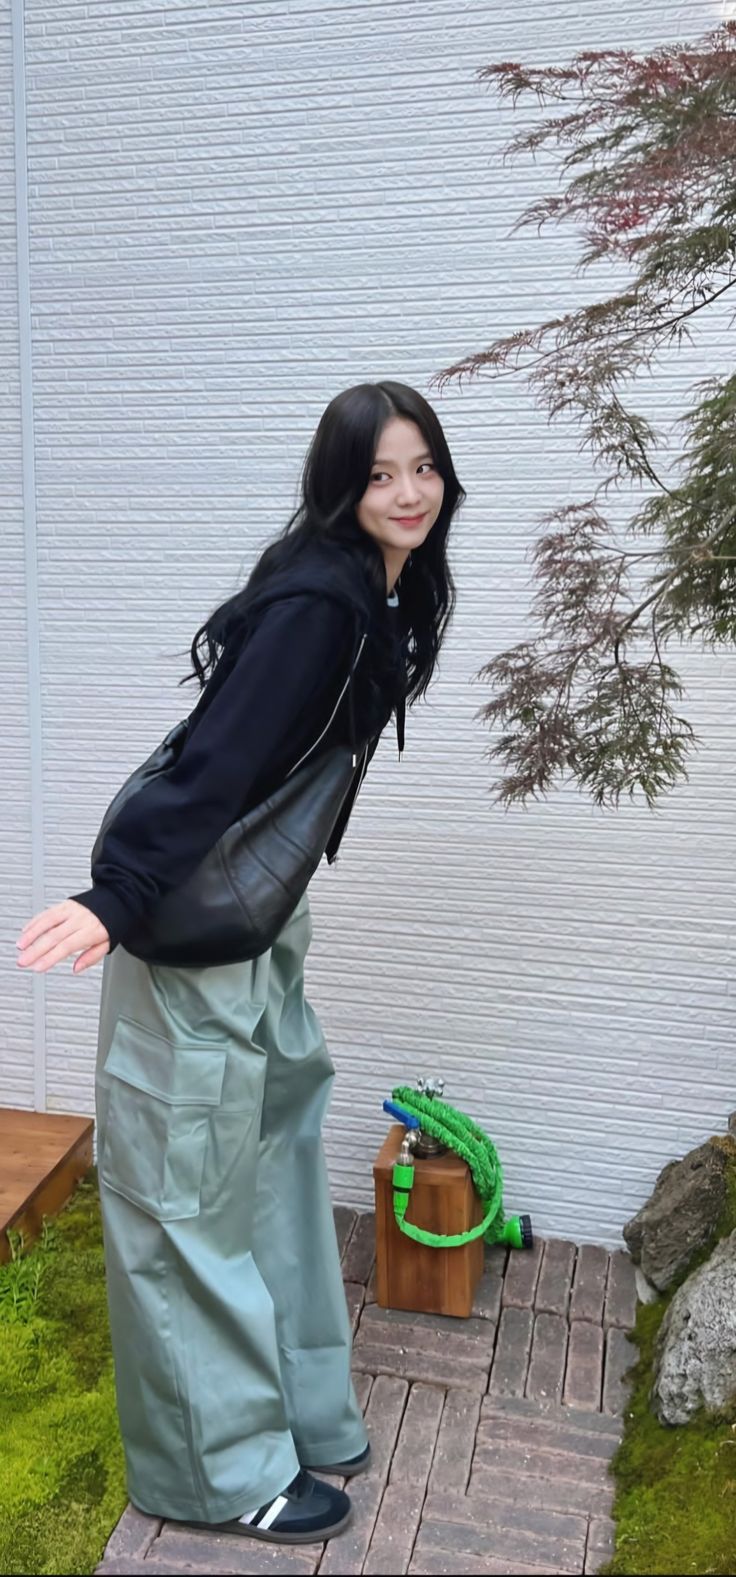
<point x="491" y="1436"/>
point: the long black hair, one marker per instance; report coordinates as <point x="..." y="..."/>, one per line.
<point x="334" y="478"/>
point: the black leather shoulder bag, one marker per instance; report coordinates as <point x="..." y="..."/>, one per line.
<point x="242" y="893"/>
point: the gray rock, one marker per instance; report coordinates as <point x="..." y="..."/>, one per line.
<point x="645" y="1292"/>
<point x="680" y="1214"/>
<point x="695" y="1360"/>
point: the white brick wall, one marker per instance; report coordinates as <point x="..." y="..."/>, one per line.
<point x="236" y="210"/>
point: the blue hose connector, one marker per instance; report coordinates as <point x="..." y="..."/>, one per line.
<point x="400" y="1115"/>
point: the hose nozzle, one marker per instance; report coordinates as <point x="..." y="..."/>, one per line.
<point x="517" y="1232"/>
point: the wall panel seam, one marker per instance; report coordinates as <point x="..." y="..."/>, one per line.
<point x="35" y="718"/>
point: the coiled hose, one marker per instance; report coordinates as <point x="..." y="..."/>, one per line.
<point x="459" y="1133"/>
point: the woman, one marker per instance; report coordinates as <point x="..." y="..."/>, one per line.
<point x="230" y="1331"/>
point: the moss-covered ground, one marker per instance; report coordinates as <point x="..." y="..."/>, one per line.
<point x="62" y="1471"/>
<point x="675" y="1503"/>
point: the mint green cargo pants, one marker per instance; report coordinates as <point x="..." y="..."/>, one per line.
<point x="230" y="1331"/>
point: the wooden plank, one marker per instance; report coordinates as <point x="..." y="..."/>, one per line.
<point x="42" y="1157"/>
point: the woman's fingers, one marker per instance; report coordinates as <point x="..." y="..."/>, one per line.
<point x="92" y="956"/>
<point x="43" y="939"/>
<point x="65" y="928"/>
<point x="50" y="950"/>
<point x="41" y="923"/>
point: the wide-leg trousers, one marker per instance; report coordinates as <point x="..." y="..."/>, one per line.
<point x="230" y="1331"/>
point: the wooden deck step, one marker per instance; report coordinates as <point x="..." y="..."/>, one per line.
<point x="42" y="1157"/>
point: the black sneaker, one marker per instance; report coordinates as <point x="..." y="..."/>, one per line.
<point x="306" y="1512"/>
<point x="347" y="1468"/>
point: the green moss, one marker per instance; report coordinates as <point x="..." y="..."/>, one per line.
<point x="62" y="1469"/>
<point x="675" y="1501"/>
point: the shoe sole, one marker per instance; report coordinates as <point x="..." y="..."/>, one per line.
<point x="245" y="1530"/>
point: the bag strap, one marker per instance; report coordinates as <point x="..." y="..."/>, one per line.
<point x="185" y="720"/>
<point x="334" y="710"/>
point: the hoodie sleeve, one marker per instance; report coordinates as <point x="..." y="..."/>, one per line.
<point x="269" y="709"/>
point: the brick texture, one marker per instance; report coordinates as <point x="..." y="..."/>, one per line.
<point x="360" y="1253"/>
<point x="492" y="1437"/>
<point x="555" y="1278"/>
<point x="392" y="1342"/>
<point x="620" y="1354"/>
<point x="589" y="1285"/>
<point x="511" y="1359"/>
<point x="344" y="1223"/>
<point x="620" y="1305"/>
<point x="398" y="1519"/>
<point x="584" y="1375"/>
<point x="521" y="1275"/>
<point x="548" y="1357"/>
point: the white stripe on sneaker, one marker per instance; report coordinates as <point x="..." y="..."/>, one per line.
<point x="276" y="1506"/>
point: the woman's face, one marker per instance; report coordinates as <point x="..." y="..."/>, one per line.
<point x="404" y="482"/>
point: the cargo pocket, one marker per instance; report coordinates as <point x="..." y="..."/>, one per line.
<point x="158" y="1119"/>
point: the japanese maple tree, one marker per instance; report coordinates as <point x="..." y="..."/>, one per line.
<point x="650" y="146"/>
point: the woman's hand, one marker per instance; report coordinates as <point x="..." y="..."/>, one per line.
<point x="65" y="928"/>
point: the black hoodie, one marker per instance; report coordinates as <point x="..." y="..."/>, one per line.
<point x="266" y="702"/>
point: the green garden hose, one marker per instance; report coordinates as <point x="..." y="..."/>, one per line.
<point x="459" y="1133"/>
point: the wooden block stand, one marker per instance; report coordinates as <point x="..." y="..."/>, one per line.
<point x="412" y="1275"/>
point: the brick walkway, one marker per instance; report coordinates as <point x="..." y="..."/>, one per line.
<point x="491" y="1436"/>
